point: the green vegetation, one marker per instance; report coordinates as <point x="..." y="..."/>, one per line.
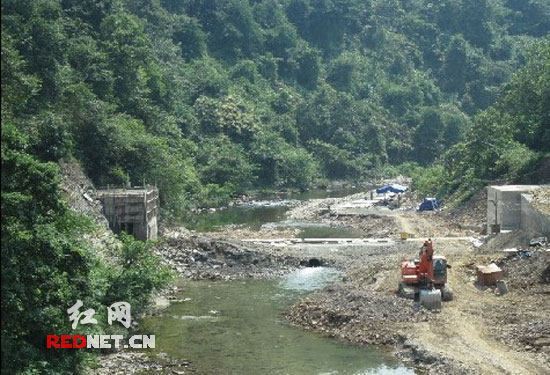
<point x="207" y="98"/>
<point x="47" y="265"/>
<point x="510" y="141"/>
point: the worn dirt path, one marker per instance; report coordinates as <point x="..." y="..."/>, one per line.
<point x="463" y="334"/>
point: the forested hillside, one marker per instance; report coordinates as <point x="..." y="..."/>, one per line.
<point x="206" y="98"/>
<point x="508" y="142"/>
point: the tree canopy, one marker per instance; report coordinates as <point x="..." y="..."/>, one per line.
<point x="140" y="89"/>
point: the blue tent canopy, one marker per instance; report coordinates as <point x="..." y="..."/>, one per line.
<point x="429" y="204"/>
<point x="393" y="188"/>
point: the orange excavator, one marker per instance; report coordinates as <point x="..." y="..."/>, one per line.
<point x="425" y="279"/>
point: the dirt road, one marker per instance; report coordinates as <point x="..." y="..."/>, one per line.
<point x="476" y="333"/>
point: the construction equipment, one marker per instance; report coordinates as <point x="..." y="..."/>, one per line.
<point x="424" y="279"/>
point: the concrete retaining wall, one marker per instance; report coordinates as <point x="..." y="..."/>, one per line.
<point x="507" y="199"/>
<point x="532" y="219"/>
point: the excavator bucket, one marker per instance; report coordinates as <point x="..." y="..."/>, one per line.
<point x="431" y="299"/>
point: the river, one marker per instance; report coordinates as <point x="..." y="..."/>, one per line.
<point x="235" y="328"/>
<point x="269" y="209"/>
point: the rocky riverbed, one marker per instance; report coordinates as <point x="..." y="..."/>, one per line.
<point x="479" y="332"/>
<point x="135" y="363"/>
<point x="205" y="258"/>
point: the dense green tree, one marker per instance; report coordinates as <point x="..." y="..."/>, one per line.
<point x="190" y="37"/>
<point x="224" y="162"/>
<point x="507" y="141"/>
<point x="154" y="78"/>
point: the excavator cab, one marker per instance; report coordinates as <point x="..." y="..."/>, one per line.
<point x="440" y="270"/>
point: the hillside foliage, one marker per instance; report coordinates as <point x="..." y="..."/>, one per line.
<point x="207" y="98"/>
<point x="508" y="142"/>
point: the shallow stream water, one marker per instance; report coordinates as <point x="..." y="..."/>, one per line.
<point x="234" y="328"/>
<point x="269" y="210"/>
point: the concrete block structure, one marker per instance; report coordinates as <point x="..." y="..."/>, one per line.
<point x="132" y="210"/>
<point x="504" y="206"/>
<point x="532" y="219"/>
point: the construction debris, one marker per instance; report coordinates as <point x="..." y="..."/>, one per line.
<point x="539" y="242"/>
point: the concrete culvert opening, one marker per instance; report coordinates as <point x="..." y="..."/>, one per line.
<point x="314" y="262"/>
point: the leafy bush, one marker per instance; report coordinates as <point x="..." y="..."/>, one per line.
<point x="427" y="181"/>
<point x="297" y="168"/>
<point x="139" y="274"/>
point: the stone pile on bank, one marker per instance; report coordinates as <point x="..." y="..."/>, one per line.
<point x="134" y="363"/>
<point x="528" y="271"/>
<point x="202" y="258"/>
<point x="340" y="309"/>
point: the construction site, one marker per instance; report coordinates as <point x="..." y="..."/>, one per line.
<point x="445" y="291"/>
<point x="453" y="291"/>
<point x="496" y="319"/>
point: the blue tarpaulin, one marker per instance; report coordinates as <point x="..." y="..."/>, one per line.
<point x="394" y="188"/>
<point x="429" y="204"/>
